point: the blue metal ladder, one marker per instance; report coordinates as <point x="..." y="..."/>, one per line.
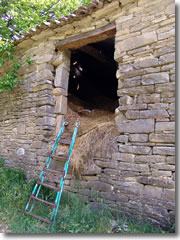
<point x="40" y="181"/>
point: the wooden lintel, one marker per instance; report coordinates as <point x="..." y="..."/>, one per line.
<point x="87" y="38"/>
<point x="96" y="54"/>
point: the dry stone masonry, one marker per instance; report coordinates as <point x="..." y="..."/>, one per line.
<point x="139" y="178"/>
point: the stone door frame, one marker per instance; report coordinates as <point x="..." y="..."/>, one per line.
<point x="62" y="63"/>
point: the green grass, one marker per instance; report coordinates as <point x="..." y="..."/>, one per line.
<point x="74" y="216"/>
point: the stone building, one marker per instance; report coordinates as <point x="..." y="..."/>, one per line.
<point x="139" y="178"/>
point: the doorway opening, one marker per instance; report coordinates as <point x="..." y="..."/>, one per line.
<point x="92" y="78"/>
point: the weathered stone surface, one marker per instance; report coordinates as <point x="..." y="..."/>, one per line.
<point x="134" y="149"/>
<point x="154" y="78"/>
<point x="156" y="182"/>
<point x="163" y="166"/>
<point x="107" y="164"/>
<point x="59" y="91"/>
<point x="138" y="41"/>
<point x="133" y="107"/>
<point x="138" y="137"/>
<point x="125" y="100"/>
<point x="99" y="186"/>
<point x="149" y="98"/>
<point x="164" y="126"/>
<point x="61" y="105"/>
<point x="147" y="62"/>
<point x="162" y="138"/>
<point x="160" y="173"/>
<point x="153" y="192"/>
<point x="134" y="91"/>
<point x="150" y="159"/>
<point x="114" y="196"/>
<point x="164" y="150"/>
<point x="163" y="87"/>
<point x="124" y="157"/>
<point x="135" y="126"/>
<point x="130" y="114"/>
<point x="133" y="187"/>
<point x="158" y="106"/>
<point x="122" y="139"/>
<point x="136" y="167"/>
<point x="154" y="114"/>
<point x="168" y="194"/>
<point x="61" y="78"/>
<point x="171" y="160"/>
<point x="46" y="121"/>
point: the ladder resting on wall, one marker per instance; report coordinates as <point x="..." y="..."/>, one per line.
<point x="40" y="182"/>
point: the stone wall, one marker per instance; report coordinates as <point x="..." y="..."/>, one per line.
<point x="139" y="178"/>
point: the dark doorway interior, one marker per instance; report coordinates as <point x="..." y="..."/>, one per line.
<point x="93" y="75"/>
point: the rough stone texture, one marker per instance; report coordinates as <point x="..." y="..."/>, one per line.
<point x="140" y="177"/>
<point x="136" y="126"/>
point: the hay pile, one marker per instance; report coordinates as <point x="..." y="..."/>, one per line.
<point x="96" y="133"/>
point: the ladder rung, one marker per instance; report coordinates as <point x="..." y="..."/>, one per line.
<point x="53" y="171"/>
<point x="38" y="217"/>
<point x="49" y="186"/>
<point x="46" y="202"/>
<point x="60" y="157"/>
<point x="64" y="141"/>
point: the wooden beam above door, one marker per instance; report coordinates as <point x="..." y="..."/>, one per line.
<point x="87" y="38"/>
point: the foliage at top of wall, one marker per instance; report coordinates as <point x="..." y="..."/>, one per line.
<point x="16" y="18"/>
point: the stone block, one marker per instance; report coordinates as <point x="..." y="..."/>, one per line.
<point x="160" y="173"/>
<point x="130" y="114"/>
<point x="165" y="35"/>
<point x="131" y="187"/>
<point x="162" y="138"/>
<point x="164" y="150"/>
<point x="123" y="157"/>
<point x="61" y="105"/>
<point x="164" y="126"/>
<point x="150" y="159"/>
<point x="134" y="149"/>
<point x="154" y="78"/>
<point x="168" y="195"/>
<point x="160" y="88"/>
<point x="134" y="91"/>
<point x="130" y="82"/>
<point x="122" y="139"/>
<point x="147" y="62"/>
<point x="163" y="166"/>
<point x="149" y="98"/>
<point x="134" y="166"/>
<point x="60" y="91"/>
<point x="99" y="186"/>
<point x="153" y="192"/>
<point x="157" y="182"/>
<point x="170" y="9"/>
<point x="59" y="121"/>
<point x="21" y="129"/>
<point x="107" y="164"/>
<point x="166" y="59"/>
<point x="138" y="137"/>
<point x="154" y="114"/>
<point x="43" y="34"/>
<point x="138" y="41"/>
<point x="171" y="108"/>
<point x="114" y="196"/>
<point x="158" y="106"/>
<point x="61" y="78"/>
<point x="171" y="160"/>
<point x="46" y="121"/>
<point x="135" y="126"/>
<point x="133" y="107"/>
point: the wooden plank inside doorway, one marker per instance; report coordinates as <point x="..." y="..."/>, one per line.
<point x="87" y="38"/>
